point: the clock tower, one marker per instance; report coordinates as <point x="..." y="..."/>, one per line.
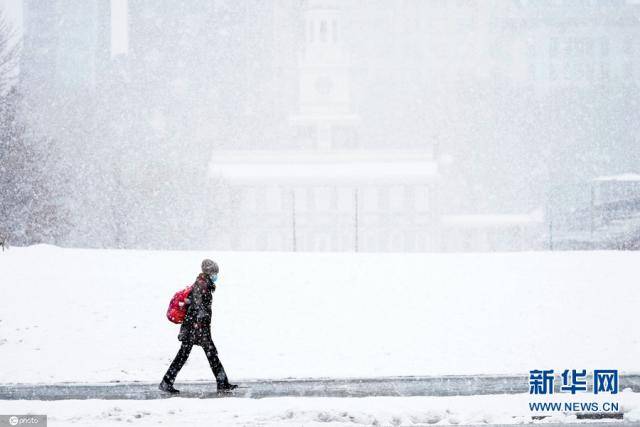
<point x="324" y="112"/>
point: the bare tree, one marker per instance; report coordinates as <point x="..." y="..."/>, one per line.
<point x="31" y="181"/>
<point x="3" y="242"/>
<point x="9" y="55"/>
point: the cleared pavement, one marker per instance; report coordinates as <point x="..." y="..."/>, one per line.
<point x="331" y="387"/>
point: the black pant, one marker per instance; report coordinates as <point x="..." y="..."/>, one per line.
<point x="212" y="355"/>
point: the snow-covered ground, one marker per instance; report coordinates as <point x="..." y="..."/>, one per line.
<point x="325" y="412"/>
<point x="99" y="315"/>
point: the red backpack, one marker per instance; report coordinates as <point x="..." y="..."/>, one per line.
<point x="178" y="305"/>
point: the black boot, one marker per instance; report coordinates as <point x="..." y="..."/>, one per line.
<point x="168" y="387"/>
<point x="226" y="387"/>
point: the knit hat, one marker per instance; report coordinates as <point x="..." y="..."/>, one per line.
<point x="209" y="267"/>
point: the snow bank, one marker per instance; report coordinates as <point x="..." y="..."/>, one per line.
<point x="99" y="315"/>
<point x="326" y="412"/>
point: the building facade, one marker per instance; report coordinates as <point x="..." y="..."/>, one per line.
<point x="329" y="194"/>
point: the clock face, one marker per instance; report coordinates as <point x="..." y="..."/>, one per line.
<point x="324" y="85"/>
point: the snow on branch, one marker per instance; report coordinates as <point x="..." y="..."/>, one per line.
<point x="9" y="55"/>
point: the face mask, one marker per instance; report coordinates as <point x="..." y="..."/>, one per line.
<point x="213" y="277"/>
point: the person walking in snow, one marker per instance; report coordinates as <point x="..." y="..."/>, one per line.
<point x="196" y="330"/>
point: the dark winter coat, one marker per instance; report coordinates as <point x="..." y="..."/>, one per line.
<point x="196" y="327"/>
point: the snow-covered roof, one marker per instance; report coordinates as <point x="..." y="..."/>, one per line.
<point x="622" y="177"/>
<point x="324" y="117"/>
<point x="493" y="220"/>
<point x="347" y="167"/>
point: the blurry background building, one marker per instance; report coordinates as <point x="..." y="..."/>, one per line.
<point x="464" y="123"/>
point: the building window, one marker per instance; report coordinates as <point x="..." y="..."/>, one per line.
<point x="553" y="47"/>
<point x="312" y="31"/>
<point x="396" y="198"/>
<point x="321" y="242"/>
<point x="346" y="199"/>
<point x="628" y="46"/>
<point x="344" y="137"/>
<point x="604" y="46"/>
<point x="323" y="31"/>
<point x="628" y="70"/>
<point x="604" y="71"/>
<point x="310" y="199"/>
<point x="249" y="203"/>
<point x="306" y="136"/>
<point x="590" y="70"/>
<point x="588" y="47"/>
<point x="422" y="199"/>
<point x="553" y="72"/>
<point x="273" y="197"/>
<point x="397" y="241"/>
<point x="302" y="201"/>
<point x="383" y="199"/>
<point x="323" y="198"/>
<point x="334" y="28"/>
<point x="370" y="199"/>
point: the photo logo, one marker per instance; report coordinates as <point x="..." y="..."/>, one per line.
<point x="23" y="420"/>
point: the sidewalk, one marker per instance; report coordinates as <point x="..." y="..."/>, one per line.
<point x="454" y="385"/>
